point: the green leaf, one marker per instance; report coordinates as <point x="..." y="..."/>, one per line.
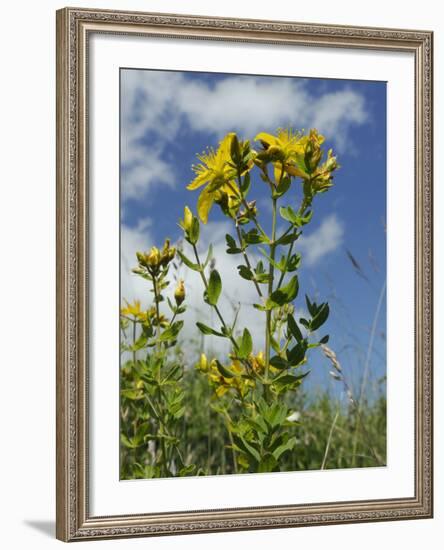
<point x="288" y="446"/>
<point x="209" y="256"/>
<point x="287" y="239"/>
<point x="304" y="323"/>
<point x="246" y="345"/>
<point x="254" y="237"/>
<point x="290" y="379"/>
<point x="288" y="214"/>
<point x="258" y="425"/>
<point x="226" y="373"/>
<point x="171" y="332"/>
<point x="312" y="308"/>
<point x="261" y="307"/>
<point x="214" y="287"/>
<point x="276" y="414"/>
<point x="293" y="262"/>
<point x="247" y="448"/>
<point x="297" y="354"/>
<point x="325" y="339"/>
<point x="134" y="395"/>
<point x="282" y="187"/>
<point x="140" y="343"/>
<point x="278" y="265"/>
<point x="126" y="442"/>
<point x="187" y="262"/>
<point x="293" y="328"/>
<point x="245" y="272"/>
<point x="285" y="294"/>
<point x="245" y="185"/>
<point x="204" y="329"/>
<point x="279" y="362"/>
<point x="231" y="243"/>
<point x="320" y="318"/>
<point x="268" y="463"/>
<point x="232" y="247"/>
<point x="187" y="470"/>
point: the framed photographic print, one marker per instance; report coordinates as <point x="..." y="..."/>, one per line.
<point x="244" y="274"/>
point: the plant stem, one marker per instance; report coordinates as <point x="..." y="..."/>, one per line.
<point x="247" y="261"/>
<point x="270" y="290"/>
<point x="290" y="250"/>
<point x="228" y="422"/>
<point x="134" y="342"/>
<point x="245" y="205"/>
<point x="156" y="299"/>
<point x="205" y="282"/>
<point x="327" y="447"/>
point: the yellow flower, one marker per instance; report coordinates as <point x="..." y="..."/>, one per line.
<point x="313" y="151"/>
<point x="322" y="177"/>
<point x="179" y="293"/>
<point x="283" y="148"/>
<point x="152" y="318"/>
<point x="135" y="310"/>
<point x="215" y="172"/>
<point x="257" y="362"/>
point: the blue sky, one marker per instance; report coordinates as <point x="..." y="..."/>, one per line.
<point x="168" y="117"/>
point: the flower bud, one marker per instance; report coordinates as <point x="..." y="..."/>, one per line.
<point x="142" y="259"/>
<point x="179" y="293"/>
<point x="235" y="150"/>
<point x="168" y="253"/>
<point x="187" y="219"/>
<point x="153" y="258"/>
<point x="203" y="363"/>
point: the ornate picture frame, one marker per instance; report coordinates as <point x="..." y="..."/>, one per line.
<point x="75" y="520"/>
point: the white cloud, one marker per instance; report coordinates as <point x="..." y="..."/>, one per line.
<point x="325" y="240"/>
<point x="133" y="240"/>
<point x="156" y="105"/>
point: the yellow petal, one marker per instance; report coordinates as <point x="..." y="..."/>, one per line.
<point x="199" y="180"/>
<point x="225" y="146"/>
<point x="277" y="172"/>
<point x="266" y="138"/>
<point x="204" y="204"/>
<point x="295" y="171"/>
<point x="221" y="390"/>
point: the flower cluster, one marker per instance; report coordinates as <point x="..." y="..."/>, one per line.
<point x="154" y="260"/>
<point x="289" y="152"/>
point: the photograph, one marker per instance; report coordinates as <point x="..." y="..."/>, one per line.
<point x="244" y="260"/>
<point x="253" y="273"/>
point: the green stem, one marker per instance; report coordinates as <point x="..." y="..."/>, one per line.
<point x="228" y="422"/>
<point x="330" y="435"/>
<point x="270" y="290"/>
<point x="245" y="205"/>
<point x="216" y="309"/>
<point x="134" y="342"/>
<point x="247" y="261"/>
<point x="156" y="299"/>
<point x="290" y="250"/>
